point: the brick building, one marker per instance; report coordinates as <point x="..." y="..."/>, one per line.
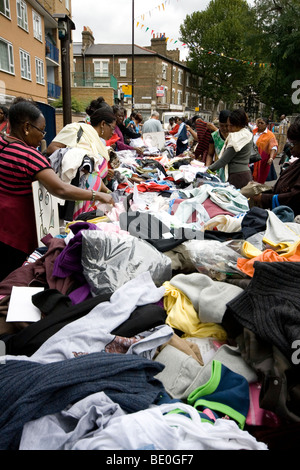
<point x="161" y="81"/>
<point x="29" y="49"/>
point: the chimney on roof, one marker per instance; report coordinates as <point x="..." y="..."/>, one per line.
<point x="87" y="39"/>
<point x="159" y="44"/>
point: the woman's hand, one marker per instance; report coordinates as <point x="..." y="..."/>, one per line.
<point x="257" y="199"/>
<point x="105" y="198"/>
<point x="139" y="151"/>
<point x="270" y="161"/>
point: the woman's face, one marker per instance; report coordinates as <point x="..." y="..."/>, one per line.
<point x="108" y="130"/>
<point x="35" y="131"/>
<point x="223" y="126"/>
<point x="232" y="127"/>
<point x="261" y="125"/>
<point x="295" y="148"/>
<point x="2" y="116"/>
<point x="119" y="117"/>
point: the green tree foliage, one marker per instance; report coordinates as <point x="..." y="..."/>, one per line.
<point x="226" y="30"/>
<point x="280" y="25"/>
<point x="266" y="33"/>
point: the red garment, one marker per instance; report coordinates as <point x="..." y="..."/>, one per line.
<point x="112" y="140"/>
<point x="174" y="130"/>
<point x="203" y="136"/>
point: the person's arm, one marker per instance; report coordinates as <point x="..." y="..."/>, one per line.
<point x="49" y="179"/>
<point x="54" y="146"/>
<point x="210" y="155"/>
<point x="272" y="156"/>
<point x="226" y="158"/>
<point x="192" y="132"/>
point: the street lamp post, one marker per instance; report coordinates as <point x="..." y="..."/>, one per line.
<point x="132" y="60"/>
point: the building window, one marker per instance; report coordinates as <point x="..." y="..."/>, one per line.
<point x="187" y="99"/>
<point x="174" y="74"/>
<point x="165" y="97"/>
<point x="25" y="65"/>
<point x="123" y="68"/>
<point x="188" y="79"/>
<point x="180" y="77"/>
<point x="39" y="71"/>
<point x="6" y="57"/>
<point x="101" y="68"/>
<point x="68" y="5"/>
<point x="22" y="14"/>
<point x="5" y="8"/>
<point x="173" y="95"/>
<point x="164" y="72"/>
<point x="37" y="25"/>
<point x="179" y="97"/>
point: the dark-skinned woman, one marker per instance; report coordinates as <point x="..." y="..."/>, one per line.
<point x="20" y="165"/>
<point x="235" y="154"/>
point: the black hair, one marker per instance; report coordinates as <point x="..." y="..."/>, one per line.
<point x="96" y="104"/>
<point x="5" y="111"/>
<point x="116" y="108"/>
<point x="21" y="111"/>
<point x="293" y="132"/>
<point x="238" y="118"/>
<point x="266" y="120"/>
<point x="103" y="114"/>
<point x="224" y="115"/>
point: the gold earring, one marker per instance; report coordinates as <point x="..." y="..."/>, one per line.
<point x="26" y="132"/>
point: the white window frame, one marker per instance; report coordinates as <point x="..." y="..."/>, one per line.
<point x="100" y="63"/>
<point x="164" y="71"/>
<point x="39" y="71"/>
<point x="187" y="98"/>
<point x="123" y="67"/>
<point x="179" y="97"/>
<point x="173" y="96"/>
<point x="174" y="74"/>
<point x="180" y="73"/>
<point x="37" y="26"/>
<point x="165" y="97"/>
<point x="6" y="7"/>
<point x="10" y="56"/>
<point x="22" y="15"/>
<point x="25" y="64"/>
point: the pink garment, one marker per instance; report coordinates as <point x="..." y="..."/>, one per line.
<point x="256" y="415"/>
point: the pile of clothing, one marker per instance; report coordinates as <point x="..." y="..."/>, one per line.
<point x="168" y="322"/>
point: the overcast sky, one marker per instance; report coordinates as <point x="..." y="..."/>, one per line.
<point x="111" y="20"/>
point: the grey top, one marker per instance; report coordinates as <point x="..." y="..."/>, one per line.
<point x="152" y="125"/>
<point x="236" y="161"/>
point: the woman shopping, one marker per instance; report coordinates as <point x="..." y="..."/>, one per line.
<point x="235" y="155"/>
<point x="286" y="191"/>
<point x="21" y="164"/>
<point x="267" y="146"/>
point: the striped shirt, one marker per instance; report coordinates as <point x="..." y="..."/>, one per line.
<point x="19" y="163"/>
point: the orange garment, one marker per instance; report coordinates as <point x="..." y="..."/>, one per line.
<point x="264" y="143"/>
<point x="246" y="265"/>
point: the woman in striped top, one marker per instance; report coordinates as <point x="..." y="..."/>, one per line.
<point x="21" y="164"/>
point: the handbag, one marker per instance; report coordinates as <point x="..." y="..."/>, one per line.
<point x="254" y="155"/>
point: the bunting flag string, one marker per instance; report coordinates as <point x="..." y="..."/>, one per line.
<point x="252" y="63"/>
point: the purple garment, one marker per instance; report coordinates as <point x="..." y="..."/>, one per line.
<point x="120" y="143"/>
<point x="68" y="262"/>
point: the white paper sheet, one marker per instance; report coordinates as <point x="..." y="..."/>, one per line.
<point x="21" y="307"/>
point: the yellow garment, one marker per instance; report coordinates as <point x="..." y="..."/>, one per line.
<point x="89" y="141"/>
<point x="104" y="218"/>
<point x="181" y="315"/>
<point x="286" y="250"/>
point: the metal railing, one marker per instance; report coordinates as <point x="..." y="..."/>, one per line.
<point x="53" y="90"/>
<point x="90" y="80"/>
<point x="52" y="52"/>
